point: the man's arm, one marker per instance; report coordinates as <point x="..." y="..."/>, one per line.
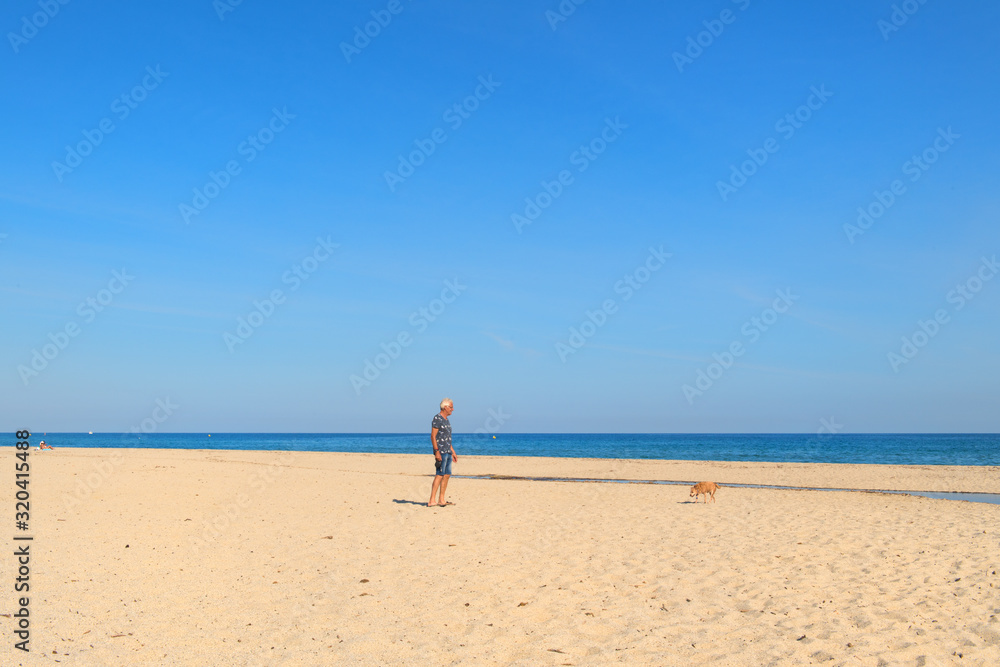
<point x="434" y="444"/>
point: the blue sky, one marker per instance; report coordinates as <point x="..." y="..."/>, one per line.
<point x="642" y="139"/>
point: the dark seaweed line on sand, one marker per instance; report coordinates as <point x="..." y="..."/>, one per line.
<point x="992" y="498"/>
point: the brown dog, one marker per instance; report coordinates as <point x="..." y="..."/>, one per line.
<point x="707" y="488"/>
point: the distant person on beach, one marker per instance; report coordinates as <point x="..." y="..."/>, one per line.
<point x="444" y="453"/>
<point x="42" y="446"/>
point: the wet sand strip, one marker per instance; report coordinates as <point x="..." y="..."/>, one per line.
<point x="990" y="498"/>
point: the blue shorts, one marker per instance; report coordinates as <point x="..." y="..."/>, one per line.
<point x="443" y="467"/>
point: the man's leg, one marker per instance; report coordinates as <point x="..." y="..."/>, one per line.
<point x="434" y="489"/>
<point x="444" y="487"/>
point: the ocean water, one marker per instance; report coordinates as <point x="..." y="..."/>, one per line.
<point x="908" y="449"/>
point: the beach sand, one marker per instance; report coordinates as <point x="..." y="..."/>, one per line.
<point x="269" y="558"/>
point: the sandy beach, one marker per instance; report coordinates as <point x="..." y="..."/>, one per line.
<point x="270" y="558"/>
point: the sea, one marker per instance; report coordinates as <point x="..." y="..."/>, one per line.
<point x="899" y="449"/>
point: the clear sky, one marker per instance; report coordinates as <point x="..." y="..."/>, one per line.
<point x="593" y="208"/>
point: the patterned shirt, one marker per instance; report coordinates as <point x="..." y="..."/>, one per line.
<point x="444" y="433"/>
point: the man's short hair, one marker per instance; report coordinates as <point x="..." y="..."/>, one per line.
<point x="445" y="402"/>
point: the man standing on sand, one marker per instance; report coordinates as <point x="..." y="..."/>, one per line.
<point x="444" y="453"/>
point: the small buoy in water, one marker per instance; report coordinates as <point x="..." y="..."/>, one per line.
<point x="494" y="437"/>
<point x="210" y="435"/>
